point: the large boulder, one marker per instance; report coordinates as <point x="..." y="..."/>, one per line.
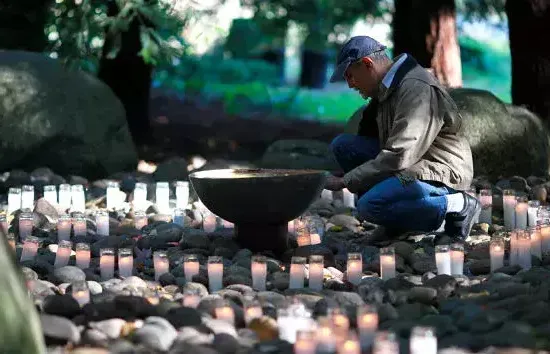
<point x="299" y="154"/>
<point x="66" y="120"/>
<point x="506" y="140"/>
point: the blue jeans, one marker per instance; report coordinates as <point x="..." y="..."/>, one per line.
<point x="415" y="206"/>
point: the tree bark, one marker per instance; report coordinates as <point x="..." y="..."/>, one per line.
<point x="22" y="25"/>
<point x="130" y="79"/>
<point x="529" y="23"/>
<point x="426" y="29"/>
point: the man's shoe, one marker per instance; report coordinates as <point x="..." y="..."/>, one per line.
<point x="458" y="225"/>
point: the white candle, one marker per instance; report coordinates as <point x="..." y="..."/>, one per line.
<point x="25" y="225"/>
<point x="457" y="259"/>
<point x="163" y="197"/>
<point x="225" y="313"/>
<point x="64" y="224"/>
<point x="486" y="201"/>
<point x="30" y="247"/>
<point x="178" y="217"/>
<point x="524" y="249"/>
<point x="536" y="244"/>
<point x="102" y="222"/>
<point x="509" y="206"/>
<point x="182" y="194"/>
<point x="161" y="263"/>
<point x="215" y="273"/>
<point x="496" y="251"/>
<point x="251" y="312"/>
<point x="306" y="342"/>
<point x="107" y="263"/>
<point x="326" y="195"/>
<point x="339" y="322"/>
<point x="385" y="342"/>
<point x="50" y="194"/>
<point x="80" y="292"/>
<point x="65" y="196"/>
<point x="387" y="263"/>
<point x="532" y="213"/>
<point x="78" y="199"/>
<point x="367" y="325"/>
<point x="521" y="213"/>
<point x="354" y="271"/>
<point x="350" y="346"/>
<point x="190" y="266"/>
<point x="27" y="197"/>
<point x="349" y="198"/>
<point x="64" y="249"/>
<point x="316" y="267"/>
<point x="443" y="259"/>
<point x="79" y="226"/>
<point x="514" y="259"/>
<point x="14" y="199"/>
<point x="258" y="267"/>
<point x="113" y="192"/>
<point x="191" y="299"/>
<point x="545" y="236"/>
<point x="209" y="221"/>
<point x="297" y="272"/>
<point x="140" y="196"/>
<point x="140" y="220"/>
<point x="125" y="262"/>
<point x="423" y="341"/>
<point x="326" y="339"/>
<point x="82" y="255"/>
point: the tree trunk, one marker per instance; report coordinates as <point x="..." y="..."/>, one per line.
<point x="426" y="29"/>
<point x="527" y="20"/>
<point x="130" y="79"/>
<point x="22" y="25"/>
<point x="314" y="69"/>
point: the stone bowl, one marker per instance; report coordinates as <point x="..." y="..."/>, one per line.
<point x="260" y="202"/>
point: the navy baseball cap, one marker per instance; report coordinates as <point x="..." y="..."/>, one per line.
<point x="355" y="49"/>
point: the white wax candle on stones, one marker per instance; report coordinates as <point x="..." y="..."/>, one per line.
<point x="297" y="272"/>
<point x="326" y="340"/>
<point x="178" y="217"/>
<point x="536" y="244"/>
<point x="306" y="342"/>
<point x="190" y="266"/>
<point x="27" y="197"/>
<point x="496" y="252"/>
<point x="443" y="259"/>
<point x="80" y="292"/>
<point x="82" y="255"/>
<point x="509" y="207"/>
<point x="252" y="311"/>
<point x="78" y="198"/>
<point x="163" y="197"/>
<point x="102" y="222"/>
<point x="387" y="263"/>
<point x="30" y="248"/>
<point x="140" y="196"/>
<point x="14" y="199"/>
<point x="349" y="198"/>
<point x="161" y="263"/>
<point x="532" y="213"/>
<point x="215" y="273"/>
<point x="64" y="249"/>
<point x="316" y="266"/>
<point x="385" y="342"/>
<point x="182" y="194"/>
<point x="423" y="341"/>
<point x="107" y="263"/>
<point x="521" y="213"/>
<point x="113" y="192"/>
<point x="26" y="223"/>
<point x="350" y="346"/>
<point x="79" y="226"/>
<point x="140" y="220"/>
<point x="514" y="252"/>
<point x="524" y="249"/>
<point x="125" y="262"/>
<point x="367" y="325"/>
<point x="191" y="299"/>
<point x="545" y="236"/>
<point x="65" y="196"/>
<point x="486" y="201"/>
<point x="457" y="259"/>
<point x="258" y="267"/>
<point x="50" y="194"/>
<point x="64" y="225"/>
<point x="225" y="313"/>
<point x="354" y="269"/>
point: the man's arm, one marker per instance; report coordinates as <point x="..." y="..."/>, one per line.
<point x="415" y="127"/>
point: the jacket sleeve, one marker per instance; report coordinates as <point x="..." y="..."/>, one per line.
<point x="415" y="126"/>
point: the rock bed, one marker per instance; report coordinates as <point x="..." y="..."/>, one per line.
<point x="470" y="313"/>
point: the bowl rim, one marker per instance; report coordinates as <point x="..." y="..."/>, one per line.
<point x="217" y="174"/>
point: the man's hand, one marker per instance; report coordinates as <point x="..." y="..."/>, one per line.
<point x="334" y="183"/>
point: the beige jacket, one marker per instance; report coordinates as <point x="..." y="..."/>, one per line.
<point x="419" y="130"/>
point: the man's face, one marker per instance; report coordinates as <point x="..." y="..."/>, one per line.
<point x="361" y="76"/>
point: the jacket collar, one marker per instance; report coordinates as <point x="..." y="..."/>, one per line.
<point x="406" y="66"/>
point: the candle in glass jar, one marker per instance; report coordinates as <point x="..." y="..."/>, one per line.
<point x="486" y="201"/>
<point x="339" y="322"/>
<point x="64" y="249"/>
<point x="509" y="206"/>
<point x="305" y="342"/>
<point x="113" y="191"/>
<point x="225" y="313"/>
<point x="316" y="267"/>
<point x="79" y="226"/>
<point x="78" y="199"/>
<point x="163" y="197"/>
<point x="354" y="271"/>
<point x="80" y="292"/>
<point x="107" y="263"/>
<point x="387" y="263"/>
<point x="30" y="248"/>
<point x="326" y="339"/>
<point x="182" y="194"/>
<point x="496" y="251"/>
<point x="514" y="259"/>
<point x="82" y="255"/>
<point x="50" y="194"/>
<point x="65" y="196"/>
<point x="215" y="273"/>
<point x="125" y="262"/>
<point x="423" y="341"/>
<point x="385" y="342"/>
<point x="27" y="197"/>
<point x="64" y="224"/>
<point x="191" y="299"/>
<point x="457" y="259"/>
<point x="532" y="213"/>
<point x="350" y="346"/>
<point x="443" y="259"/>
<point x="297" y="272"/>
<point x="25" y="225"/>
<point x="258" y="267"/>
<point x="349" y="198"/>
<point x="367" y="325"/>
<point x="140" y="197"/>
<point x="521" y="212"/>
<point x="14" y="199"/>
<point x="536" y="244"/>
<point x="102" y="222"/>
<point x="190" y="266"/>
<point x="545" y="236"/>
<point x="161" y="263"/>
<point x="524" y="249"/>
<point x="252" y="311"/>
<point x="140" y="220"/>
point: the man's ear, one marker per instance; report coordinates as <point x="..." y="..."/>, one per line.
<point x="368" y="61"/>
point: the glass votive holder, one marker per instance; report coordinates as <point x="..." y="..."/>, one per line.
<point x="258" y="267"/>
<point x="64" y="196"/>
<point x="50" y="194"/>
<point x="457" y="259"/>
<point x="252" y="310"/>
<point x="496" y="253"/>
<point x="387" y="263"/>
<point x="367" y="325"/>
<point x="191" y="298"/>
<point x="536" y="241"/>
<point x="64" y="249"/>
<point x="78" y="198"/>
<point x="79" y="226"/>
<point x="80" y="292"/>
<point x="27" y="197"/>
<point x="532" y="213"/>
<point x="102" y="222"/>
<point x="325" y="336"/>
<point x="316" y="268"/>
<point x="215" y="273"/>
<point x="182" y="194"/>
<point x="297" y="272"/>
<point x="107" y="263"/>
<point x="113" y="189"/>
<point x="509" y="207"/>
<point x="26" y="222"/>
<point x="225" y="313"/>
<point x="306" y="342"/>
<point x="64" y="224"/>
<point x="354" y="269"/>
<point x="522" y="208"/>
<point x="163" y="197"/>
<point x="161" y="264"/>
<point x="82" y="255"/>
<point x="140" y="197"/>
<point x="443" y="259"/>
<point x="125" y="262"/>
<point x="523" y="249"/>
<point x="30" y="248"/>
<point x="14" y="199"/>
<point x="191" y="266"/>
